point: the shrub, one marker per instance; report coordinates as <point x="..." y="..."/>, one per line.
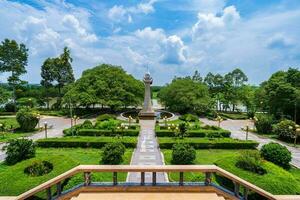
<point x="39" y="168"/>
<point x="110" y="124"/>
<point x="182" y="132"/>
<point x="112" y="153"/>
<point x="27" y="102"/>
<point x="72" y="131"/>
<point x="207" y="143"/>
<point x="276" y="154"/>
<point x="263" y="124"/>
<point x="285" y="129"/>
<point x="27" y="119"/>
<point x="84" y="142"/>
<point x="105" y="117"/>
<point x="196" y="133"/>
<point x="10" y="107"/>
<point x="87" y="124"/>
<point x="18" y="150"/>
<point x="183" y="154"/>
<point x="97" y="132"/>
<point x="251" y="161"/>
<point x="189" y="118"/>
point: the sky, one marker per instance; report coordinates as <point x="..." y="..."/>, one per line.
<point x="168" y="37"/>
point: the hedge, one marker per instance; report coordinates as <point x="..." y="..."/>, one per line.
<point x="97" y="132"/>
<point x="197" y="133"/>
<point x="206" y="143"/>
<point x="85" y="142"/>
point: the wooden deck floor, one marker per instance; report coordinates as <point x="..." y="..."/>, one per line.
<point x="147" y="196"/>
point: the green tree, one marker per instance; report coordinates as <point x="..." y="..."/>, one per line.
<point x="106" y="85"/>
<point x="4" y="95"/>
<point x="184" y="95"/>
<point x="13" y="59"/>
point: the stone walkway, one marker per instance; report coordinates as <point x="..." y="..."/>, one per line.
<point x="235" y="127"/>
<point x="58" y="124"/>
<point x="147" y="153"/>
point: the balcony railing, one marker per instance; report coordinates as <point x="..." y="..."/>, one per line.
<point x="87" y="170"/>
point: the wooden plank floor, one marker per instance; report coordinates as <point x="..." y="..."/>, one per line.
<point x="147" y="196"/>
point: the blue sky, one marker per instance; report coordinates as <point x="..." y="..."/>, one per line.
<point x="172" y="37"/>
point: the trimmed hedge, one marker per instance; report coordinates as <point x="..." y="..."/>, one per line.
<point x="196" y="133"/>
<point x="206" y="143"/>
<point x="97" y="132"/>
<point x="85" y="142"/>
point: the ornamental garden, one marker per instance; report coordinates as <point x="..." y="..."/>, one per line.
<point x="98" y="133"/>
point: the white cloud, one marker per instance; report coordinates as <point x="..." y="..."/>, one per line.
<point x="151" y="34"/>
<point x="279" y="41"/>
<point x="119" y="13"/>
<point x="175" y="50"/>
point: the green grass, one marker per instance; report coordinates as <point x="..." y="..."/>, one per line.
<point x="154" y="95"/>
<point x="12" y="123"/>
<point x="276" y="181"/>
<point x="13" y="181"/>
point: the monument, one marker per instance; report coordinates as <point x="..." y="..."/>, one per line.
<point x="147" y="112"/>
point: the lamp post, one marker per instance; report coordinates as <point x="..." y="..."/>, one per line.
<point x="247" y="131"/>
<point x="46" y="126"/>
<point x="165" y="120"/>
<point x="129" y="120"/>
<point x="219" y="119"/>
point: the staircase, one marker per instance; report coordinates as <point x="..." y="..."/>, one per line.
<point x="148" y="196"/>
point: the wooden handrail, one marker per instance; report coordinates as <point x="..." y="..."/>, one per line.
<point x="150" y="168"/>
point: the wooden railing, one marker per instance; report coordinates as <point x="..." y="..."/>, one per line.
<point x="208" y="170"/>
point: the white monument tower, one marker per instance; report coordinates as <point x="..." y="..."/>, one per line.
<point x="147" y="112"/>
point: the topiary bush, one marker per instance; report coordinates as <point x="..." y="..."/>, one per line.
<point x="39" y="168"/>
<point x="112" y="153"/>
<point x="27" y="119"/>
<point x="189" y="118"/>
<point x="18" y="150"/>
<point x="251" y="161"/>
<point x="87" y="124"/>
<point x="10" y="107"/>
<point x="285" y="129"/>
<point x="276" y="154"/>
<point x="183" y="154"/>
<point x="263" y="124"/>
<point x="105" y="117"/>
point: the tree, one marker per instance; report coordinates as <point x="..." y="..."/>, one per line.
<point x="197" y="77"/>
<point x="106" y="85"/>
<point x="4" y="95"/>
<point x="184" y="95"/>
<point x="57" y="70"/>
<point x="13" y="59"/>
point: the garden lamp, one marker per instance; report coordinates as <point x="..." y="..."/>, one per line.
<point x="46" y="126"/>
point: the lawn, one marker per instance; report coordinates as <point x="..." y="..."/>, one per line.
<point x="62" y="159"/>
<point x="12" y="123"/>
<point x="276" y="181"/>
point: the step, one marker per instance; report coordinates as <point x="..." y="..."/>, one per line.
<point x="148" y="196"/>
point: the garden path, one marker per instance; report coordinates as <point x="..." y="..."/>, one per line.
<point x="56" y="124"/>
<point x="147" y="153"/>
<point x="235" y="127"/>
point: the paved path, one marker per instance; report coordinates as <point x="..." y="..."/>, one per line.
<point x="58" y="124"/>
<point x="235" y="127"/>
<point x="147" y="153"/>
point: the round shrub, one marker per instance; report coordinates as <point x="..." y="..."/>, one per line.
<point x="251" y="161"/>
<point x="276" y="154"/>
<point x="87" y="124"/>
<point x="39" y="168"/>
<point x="18" y="150"/>
<point x="263" y="124"/>
<point x="183" y="154"/>
<point x="27" y="119"/>
<point x="285" y="129"/>
<point x="105" y="117"/>
<point x="112" y="153"/>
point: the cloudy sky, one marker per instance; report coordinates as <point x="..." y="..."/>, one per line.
<point x="171" y="37"/>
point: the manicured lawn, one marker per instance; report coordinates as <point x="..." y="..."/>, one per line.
<point x="13" y="181"/>
<point x="12" y="123"/>
<point x="276" y="181"/>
